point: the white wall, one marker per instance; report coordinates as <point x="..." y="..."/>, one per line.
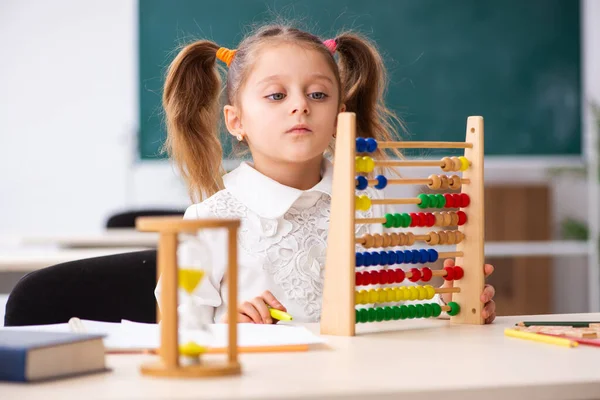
<point x="68" y="89"/>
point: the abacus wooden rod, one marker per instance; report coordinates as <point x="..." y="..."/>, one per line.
<point x="447" y="290"/>
<point x="406" y="163"/>
<point x="396" y="201"/>
<point x="423" y="145"/>
<point x="408" y="181"/>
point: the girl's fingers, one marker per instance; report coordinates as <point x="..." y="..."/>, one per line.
<point x="244" y="319"/>
<point x="488" y="293"/>
<point x="449" y="262"/>
<point x="489" y="310"/>
<point x="272" y="301"/>
<point x="262" y="309"/>
<point x="488" y="269"/>
<point x="249" y="310"/>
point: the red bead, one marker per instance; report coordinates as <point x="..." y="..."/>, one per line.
<point x="458" y="273"/>
<point x="465" y="200"/>
<point x="370" y="278"/>
<point x="414" y="220"/>
<point x="399" y="275"/>
<point x="416" y="274"/>
<point x="430" y="219"/>
<point x="449" y="273"/>
<point x="422" y="219"/>
<point x="449" y="200"/>
<point x="462" y="217"/>
<point x="358" y="279"/>
<point x="455" y="200"/>
<point x="391" y="276"/>
<point x="427" y="274"/>
<point x="382" y="277"/>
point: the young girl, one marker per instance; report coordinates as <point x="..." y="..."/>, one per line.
<point x="284" y="90"/>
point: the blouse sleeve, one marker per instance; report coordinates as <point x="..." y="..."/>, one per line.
<point x="200" y="309"/>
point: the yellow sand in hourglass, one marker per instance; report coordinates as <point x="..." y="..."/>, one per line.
<point x="189" y="279"/>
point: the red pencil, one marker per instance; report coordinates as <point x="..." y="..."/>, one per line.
<point x="588" y="342"/>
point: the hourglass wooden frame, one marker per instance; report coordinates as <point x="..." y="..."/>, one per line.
<point x="169" y="229"/>
<point x="339" y="316"/>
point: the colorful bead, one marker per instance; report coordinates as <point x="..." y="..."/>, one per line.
<point x="424" y="256"/>
<point x="363" y="202"/>
<point x="458" y="273"/>
<point x="371" y="145"/>
<point x="422" y="293"/>
<point x="375" y="260"/>
<point x="379" y="314"/>
<point x="363" y="315"/>
<point x="406" y="220"/>
<point x="359" y="260"/>
<point x="400" y="257"/>
<point x="415" y="275"/>
<point x="430" y="292"/>
<point x="464" y="163"/>
<point x="369" y="164"/>
<point x="397" y="220"/>
<point x="462" y="217"/>
<point x="419" y="311"/>
<point x="428" y="310"/>
<point x="381" y="182"/>
<point x="427" y="274"/>
<point x="413" y="293"/>
<point x="397" y="313"/>
<point x="416" y="256"/>
<point x="455" y="182"/>
<point x="398" y="294"/>
<point x="383" y="258"/>
<point x="373" y="296"/>
<point x="361" y="145"/>
<point x="430" y="220"/>
<point x="436" y="309"/>
<point x="447" y="164"/>
<point x="361" y="182"/>
<point x="391" y="257"/>
<point x="436" y="182"/>
<point x="408" y="256"/>
<point x="449" y="273"/>
<point x="371" y="314"/>
<point x="412" y="311"/>
<point x="389" y="220"/>
<point x="403" y="312"/>
<point x="399" y="275"/>
<point x="441" y="200"/>
<point x="359" y="164"/>
<point x="449" y="200"/>
<point x="433" y="255"/>
<point x="432" y="201"/>
<point x="388" y="313"/>
<point x="465" y="200"/>
<point x="424" y="200"/>
<point x="367" y="259"/>
<point x="414" y="220"/>
<point x="358" y="279"/>
<point x="454" y="308"/>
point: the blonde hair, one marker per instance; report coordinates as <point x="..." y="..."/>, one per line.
<point x="193" y="86"/>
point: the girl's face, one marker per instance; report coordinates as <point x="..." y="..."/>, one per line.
<point x="289" y="105"/>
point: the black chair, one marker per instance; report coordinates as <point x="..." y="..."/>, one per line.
<point x="109" y="288"/>
<point x="126" y="219"/>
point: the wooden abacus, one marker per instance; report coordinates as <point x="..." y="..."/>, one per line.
<point x="343" y="263"/>
<point x="169" y="229"/>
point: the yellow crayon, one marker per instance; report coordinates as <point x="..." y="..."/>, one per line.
<point x="280" y="315"/>
<point x="540" y="338"/>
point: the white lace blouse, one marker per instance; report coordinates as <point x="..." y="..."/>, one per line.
<point x="282" y="242"/>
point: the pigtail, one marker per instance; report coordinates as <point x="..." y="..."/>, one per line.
<point x="191" y="102"/>
<point x="364" y="79"/>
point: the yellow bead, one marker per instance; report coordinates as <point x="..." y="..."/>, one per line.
<point x="390" y="295"/>
<point x="422" y="293"/>
<point x="364" y="297"/>
<point x="359" y="165"/>
<point x="369" y="164"/>
<point x="464" y="163"/>
<point x="430" y="292"/>
<point x="397" y="294"/>
<point x="413" y="293"/>
<point x="373" y="296"/>
<point x="362" y="203"/>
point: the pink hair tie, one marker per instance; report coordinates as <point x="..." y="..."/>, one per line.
<point x="331" y="44"/>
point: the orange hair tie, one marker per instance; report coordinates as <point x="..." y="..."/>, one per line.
<point x="226" y="55"/>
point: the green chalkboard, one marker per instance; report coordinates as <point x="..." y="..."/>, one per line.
<point x="516" y="62"/>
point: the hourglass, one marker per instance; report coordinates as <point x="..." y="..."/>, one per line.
<point x="183" y="265"/>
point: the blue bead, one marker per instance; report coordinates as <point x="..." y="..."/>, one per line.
<point x="375" y="258"/>
<point x="367" y="262"/>
<point x="362" y="182"/>
<point x="371" y="145"/>
<point x="392" y="257"/>
<point x="408" y="256"/>
<point x="359" y="259"/>
<point x="399" y="257"/>
<point x="424" y="256"/>
<point x="361" y="145"/>
<point x="416" y="256"/>
<point x="433" y="255"/>
<point x="383" y="256"/>
<point x="381" y="182"/>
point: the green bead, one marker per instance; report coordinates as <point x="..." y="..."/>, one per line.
<point x="428" y="310"/>
<point x="420" y="311"/>
<point x="406" y="220"/>
<point x="363" y="315"/>
<point x="356" y="317"/>
<point x="412" y="311"/>
<point x="388" y="313"/>
<point x="379" y="314"/>
<point x="397" y="313"/>
<point x="441" y="200"/>
<point x="403" y="312"/>
<point x="432" y="201"/>
<point x="397" y="220"/>
<point x="454" y="308"/>
<point x="389" y="220"/>
<point x="424" y="200"/>
<point x="371" y="315"/>
<point x="437" y="310"/>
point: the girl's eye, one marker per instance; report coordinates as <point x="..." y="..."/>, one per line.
<point x="276" y="96"/>
<point x="317" y="95"/>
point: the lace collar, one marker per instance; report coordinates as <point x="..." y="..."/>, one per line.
<point x="267" y="197"/>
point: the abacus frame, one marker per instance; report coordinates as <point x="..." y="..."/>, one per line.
<point x="169" y="229"/>
<point x="338" y="315"/>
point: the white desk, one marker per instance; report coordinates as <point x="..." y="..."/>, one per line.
<point x="424" y="360"/>
<point x="26" y="259"/>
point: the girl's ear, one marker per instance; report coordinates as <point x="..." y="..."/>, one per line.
<point x="233" y="121"/>
<point x="343" y="108"/>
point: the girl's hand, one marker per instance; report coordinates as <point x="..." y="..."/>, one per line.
<point x="256" y="310"/>
<point x="489" y="309"/>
